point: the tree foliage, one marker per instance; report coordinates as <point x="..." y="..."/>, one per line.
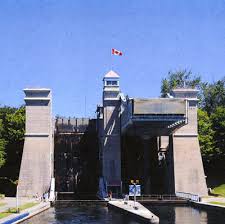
<point x="15" y="127"/>
<point x="205" y="133"/>
<point x="218" y="125"/>
<point x="179" y="79"/>
<point x="211" y="115"/>
<point x="2" y="146"/>
<point x="212" y="95"/>
<point x="12" y="123"/>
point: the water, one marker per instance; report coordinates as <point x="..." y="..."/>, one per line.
<point x="102" y="215"/>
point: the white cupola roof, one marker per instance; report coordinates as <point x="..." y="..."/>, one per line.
<point x="111" y="74"/>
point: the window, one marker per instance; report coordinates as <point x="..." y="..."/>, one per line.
<point x="111" y="83"/>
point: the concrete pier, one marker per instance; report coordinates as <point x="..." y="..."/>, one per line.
<point x="139" y="211"/>
<point x="36" y="168"/>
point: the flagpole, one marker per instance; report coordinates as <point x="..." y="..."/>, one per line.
<point x="111" y="58"/>
<point x="114" y="52"/>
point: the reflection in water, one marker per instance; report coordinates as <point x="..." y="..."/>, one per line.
<point x="187" y="215"/>
<point x="101" y="215"/>
<point x="170" y="214"/>
<point x="80" y="215"/>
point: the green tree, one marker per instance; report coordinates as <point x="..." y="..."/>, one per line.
<point x="213" y="95"/>
<point x="165" y="88"/>
<point x="12" y="127"/>
<point x="218" y="125"/>
<point x="179" y="79"/>
<point x="206" y="134"/>
<point x="2" y="146"/>
<point x="15" y="125"/>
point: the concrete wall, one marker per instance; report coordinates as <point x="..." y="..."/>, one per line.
<point x="158" y="106"/>
<point x="37" y="161"/>
<point x="189" y="174"/>
<point x="111" y="143"/>
<point x="188" y="168"/>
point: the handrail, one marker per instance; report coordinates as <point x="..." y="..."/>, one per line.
<point x="158" y="197"/>
<point x="190" y="196"/>
<point x="52" y="190"/>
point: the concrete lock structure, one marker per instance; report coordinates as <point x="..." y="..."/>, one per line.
<point x="36" y="168"/>
<point x="152" y="140"/>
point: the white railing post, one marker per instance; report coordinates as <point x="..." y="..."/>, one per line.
<point x="52" y="190"/>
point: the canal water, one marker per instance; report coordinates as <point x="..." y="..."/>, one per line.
<point x="85" y="214"/>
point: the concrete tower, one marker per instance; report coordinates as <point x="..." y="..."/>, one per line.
<point x="111" y="154"/>
<point x="37" y="162"/>
<point x="189" y="174"/>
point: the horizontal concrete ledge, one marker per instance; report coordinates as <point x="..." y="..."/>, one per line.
<point x="112" y="135"/>
<point x="139" y="212"/>
<point x="37" y="89"/>
<point x="208" y="206"/>
<point x="185" y="135"/>
<point x="112" y="99"/>
<point x="74" y="203"/>
<point x="163" y="202"/>
<point x="36" y="134"/>
<point x="37" y="98"/>
<point x="26" y="214"/>
<point x="70" y="133"/>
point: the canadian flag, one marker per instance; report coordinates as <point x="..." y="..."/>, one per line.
<point x="116" y="52"/>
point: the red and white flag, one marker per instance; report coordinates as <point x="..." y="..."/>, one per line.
<point x="116" y="52"/>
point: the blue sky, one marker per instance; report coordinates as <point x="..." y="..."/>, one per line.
<point x="66" y="46"/>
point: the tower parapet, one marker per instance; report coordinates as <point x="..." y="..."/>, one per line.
<point x="111" y="87"/>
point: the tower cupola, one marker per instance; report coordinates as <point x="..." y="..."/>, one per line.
<point x="111" y="88"/>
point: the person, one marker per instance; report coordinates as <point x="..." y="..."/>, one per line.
<point x="36" y="196"/>
<point x="45" y="196"/>
<point x="110" y="195"/>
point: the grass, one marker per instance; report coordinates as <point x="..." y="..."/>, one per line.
<point x="220" y="190"/>
<point x="217" y="203"/>
<point x="4" y="214"/>
<point x="2" y="204"/>
<point x="11" y="211"/>
<point x="2" y="196"/>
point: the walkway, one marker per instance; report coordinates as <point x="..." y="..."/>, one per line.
<point x="10" y="202"/>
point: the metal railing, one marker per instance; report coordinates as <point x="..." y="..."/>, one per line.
<point x="189" y="196"/>
<point x="168" y="197"/>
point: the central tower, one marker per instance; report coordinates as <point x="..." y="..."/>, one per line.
<point x="111" y="153"/>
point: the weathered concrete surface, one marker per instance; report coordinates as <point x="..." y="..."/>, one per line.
<point x="189" y="174"/>
<point x="111" y="154"/>
<point x="188" y="169"/>
<point x="37" y="162"/>
<point x="152" y="117"/>
<point x="141" y="212"/>
<point x="159" y="106"/>
<point x="111" y="147"/>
